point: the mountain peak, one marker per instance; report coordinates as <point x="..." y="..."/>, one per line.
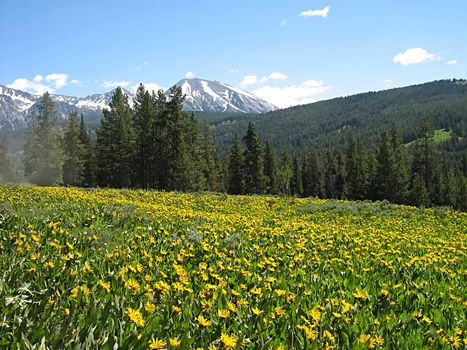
<point x="214" y="96"/>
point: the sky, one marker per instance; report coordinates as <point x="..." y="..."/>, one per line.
<point x="288" y="52"/>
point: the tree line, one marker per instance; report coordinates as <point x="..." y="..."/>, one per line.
<point x="152" y="143"/>
<point x="417" y="175"/>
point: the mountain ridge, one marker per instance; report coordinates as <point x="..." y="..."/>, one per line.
<point x="17" y="106"/>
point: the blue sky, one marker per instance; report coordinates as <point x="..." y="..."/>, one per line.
<point x="286" y="51"/>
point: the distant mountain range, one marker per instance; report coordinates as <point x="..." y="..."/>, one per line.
<point x="16" y="106"/>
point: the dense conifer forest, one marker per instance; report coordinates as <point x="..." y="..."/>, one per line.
<point x="403" y="145"/>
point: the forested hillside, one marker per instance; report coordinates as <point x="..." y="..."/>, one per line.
<point x="329" y="123"/>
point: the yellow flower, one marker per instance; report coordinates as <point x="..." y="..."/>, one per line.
<point x="232" y="307"/>
<point x="136" y="317"/>
<point x="329" y="335"/>
<point x="174" y="342"/>
<point x="359" y="294"/>
<point x="364" y="338"/>
<point x="379" y="340"/>
<point x="74" y="292"/>
<point x="229" y="341"/>
<point x="256" y="311"/>
<point x="149" y="307"/>
<point x="67" y="312"/>
<point x="155" y="344"/>
<point x="315" y="314"/>
<point x="223" y="313"/>
<point x="132" y="285"/>
<point x="49" y="264"/>
<point x="105" y="285"/>
<point x="204" y="322"/>
<point x="176" y="309"/>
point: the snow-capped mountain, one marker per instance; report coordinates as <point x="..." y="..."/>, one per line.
<point x="17" y="107"/>
<point x="214" y="96"/>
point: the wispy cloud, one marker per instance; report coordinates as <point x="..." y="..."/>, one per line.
<point x="283" y="23"/>
<point x="40" y="83"/>
<point x="33" y="87"/>
<point x="292" y="95"/>
<point x="387" y="83"/>
<point x="451" y="62"/>
<point x="151" y="87"/>
<point x="253" y="79"/>
<point x="189" y="75"/>
<point x="233" y="70"/>
<point x="110" y="84"/>
<point x="415" y="56"/>
<point x="316" y="13"/>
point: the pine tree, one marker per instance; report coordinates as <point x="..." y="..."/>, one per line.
<point x="400" y="176"/>
<point x="254" y="175"/>
<point x="89" y="158"/>
<point x="73" y="150"/>
<point x="235" y="183"/>
<point x="116" y="143"/>
<point x="313" y="176"/>
<point x="144" y="120"/>
<point x="341" y="176"/>
<point x="285" y="175"/>
<point x="7" y="173"/>
<point x="210" y="159"/>
<point x="296" y="182"/>
<point x="420" y="196"/>
<point x="270" y="169"/>
<point x="356" y="175"/>
<point x="385" y="169"/>
<point x="42" y="151"/>
<point x="330" y="176"/>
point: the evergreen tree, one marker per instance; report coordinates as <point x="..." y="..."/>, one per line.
<point x="296" y="183"/>
<point x="341" y="176"/>
<point x="330" y="176"/>
<point x="89" y="159"/>
<point x="73" y="150"/>
<point x="254" y="175"/>
<point x="144" y="120"/>
<point x="7" y="173"/>
<point x="356" y="175"/>
<point x="210" y="158"/>
<point x="235" y="183"/>
<point x="420" y="195"/>
<point x="400" y="176"/>
<point x="116" y="143"/>
<point x="42" y="151"/>
<point x="270" y="169"/>
<point x="313" y="176"/>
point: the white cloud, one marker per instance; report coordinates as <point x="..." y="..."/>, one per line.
<point x="292" y="95"/>
<point x="233" y="70"/>
<point x="277" y="76"/>
<point x="113" y="84"/>
<point x="316" y="13"/>
<point x="283" y="23"/>
<point x="189" y="75"/>
<point x="38" y="78"/>
<point x="151" y="87"/>
<point x="57" y="79"/>
<point x="75" y="82"/>
<point x="30" y="86"/>
<point x="387" y="83"/>
<point x="415" y="56"/>
<point x="451" y="62"/>
<point x="253" y="79"/>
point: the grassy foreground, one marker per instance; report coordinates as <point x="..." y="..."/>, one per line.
<point x="134" y="269"/>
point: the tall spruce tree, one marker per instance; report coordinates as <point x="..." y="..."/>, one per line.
<point x="42" y="151"/>
<point x="296" y="183"/>
<point x="313" y="175"/>
<point x="356" y="174"/>
<point x="254" y="173"/>
<point x="89" y="158"/>
<point x="235" y="170"/>
<point x="401" y="175"/>
<point x="144" y="122"/>
<point x="116" y="143"/>
<point x="73" y="152"/>
<point x="270" y="169"/>
<point x="330" y="176"/>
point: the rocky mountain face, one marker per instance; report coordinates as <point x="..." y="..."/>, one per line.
<point x="16" y="107"/>
<point x="213" y="96"/>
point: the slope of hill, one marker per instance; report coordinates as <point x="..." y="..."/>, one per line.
<point x="327" y="123"/>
